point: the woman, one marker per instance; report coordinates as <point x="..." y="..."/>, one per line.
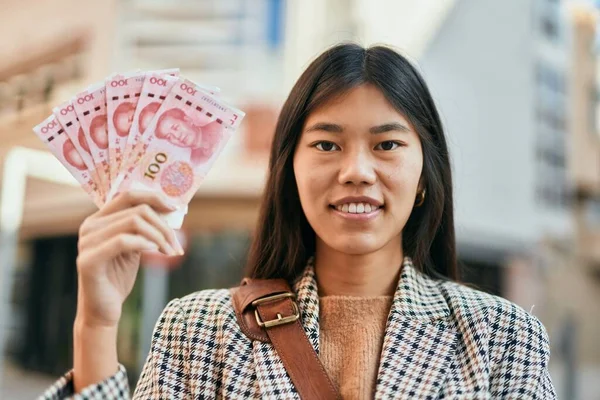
<point x="358" y="216"/>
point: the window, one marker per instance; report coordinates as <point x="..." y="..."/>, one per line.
<point x="550" y="147"/>
<point x="549" y="22"/>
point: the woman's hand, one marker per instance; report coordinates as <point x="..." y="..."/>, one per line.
<point x="110" y="245"/>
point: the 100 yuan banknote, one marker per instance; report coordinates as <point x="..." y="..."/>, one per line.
<point x="122" y="95"/>
<point x="90" y="107"/>
<point x="51" y="132"/>
<point x="65" y="114"/>
<point x="189" y="130"/>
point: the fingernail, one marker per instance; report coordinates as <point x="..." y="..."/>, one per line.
<point x="178" y="246"/>
<point x="173" y="251"/>
<point x="169" y="203"/>
<point x="170" y="206"/>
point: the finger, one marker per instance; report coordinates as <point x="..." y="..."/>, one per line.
<point x="146" y="212"/>
<point x="125" y="200"/>
<point x="132" y="223"/>
<point x="116" y="245"/>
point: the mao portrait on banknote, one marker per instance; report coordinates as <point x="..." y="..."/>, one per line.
<point x="72" y="156"/>
<point x="98" y="131"/>
<point x="123" y="118"/>
<point x="146" y="115"/>
<point x="199" y="134"/>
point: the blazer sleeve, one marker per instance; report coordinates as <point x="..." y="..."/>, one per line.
<point x="114" y="387"/>
<point x="520" y="360"/>
<point x="164" y="376"/>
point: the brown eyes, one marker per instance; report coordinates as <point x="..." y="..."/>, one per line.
<point x="387" y="145"/>
<point x="326" y="146"/>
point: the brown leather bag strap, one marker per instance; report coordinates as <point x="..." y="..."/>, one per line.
<point x="266" y="310"/>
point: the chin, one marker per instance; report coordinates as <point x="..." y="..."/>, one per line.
<point x="355" y="245"/>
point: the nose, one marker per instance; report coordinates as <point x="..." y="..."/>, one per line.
<point x="177" y="132"/>
<point x="357" y="168"/>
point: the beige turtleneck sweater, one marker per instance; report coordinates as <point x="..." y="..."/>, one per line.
<point x="351" y="338"/>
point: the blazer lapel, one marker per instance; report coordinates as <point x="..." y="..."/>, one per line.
<point x="272" y="377"/>
<point x="420" y="340"/>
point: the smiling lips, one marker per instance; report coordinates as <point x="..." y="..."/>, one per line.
<point x="360" y="205"/>
<point x="357" y="208"/>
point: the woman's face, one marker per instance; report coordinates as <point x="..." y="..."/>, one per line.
<point x="357" y="165"/>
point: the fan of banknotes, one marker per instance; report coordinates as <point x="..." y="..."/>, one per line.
<point x="151" y="130"/>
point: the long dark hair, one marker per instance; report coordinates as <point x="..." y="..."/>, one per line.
<point x="284" y="240"/>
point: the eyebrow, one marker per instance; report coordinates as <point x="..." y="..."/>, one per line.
<point x="335" y="128"/>
<point x="391" y="126"/>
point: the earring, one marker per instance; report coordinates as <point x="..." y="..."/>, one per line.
<point x="420" y="198"/>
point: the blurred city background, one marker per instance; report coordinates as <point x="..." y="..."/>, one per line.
<point x="516" y="82"/>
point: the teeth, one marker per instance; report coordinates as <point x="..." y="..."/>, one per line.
<point x="356" y="208"/>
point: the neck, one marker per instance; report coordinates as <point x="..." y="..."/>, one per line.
<point x="364" y="275"/>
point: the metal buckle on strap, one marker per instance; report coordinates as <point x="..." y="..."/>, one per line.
<point x="281" y="320"/>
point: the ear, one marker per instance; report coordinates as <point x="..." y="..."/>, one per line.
<point x="420" y="185"/>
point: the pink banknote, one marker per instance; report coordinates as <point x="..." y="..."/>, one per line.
<point x="122" y="95"/>
<point x="188" y="132"/>
<point x="66" y="116"/>
<point x="90" y="107"/>
<point x="53" y="135"/>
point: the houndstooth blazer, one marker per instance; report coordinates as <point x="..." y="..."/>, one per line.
<point x="443" y="340"/>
